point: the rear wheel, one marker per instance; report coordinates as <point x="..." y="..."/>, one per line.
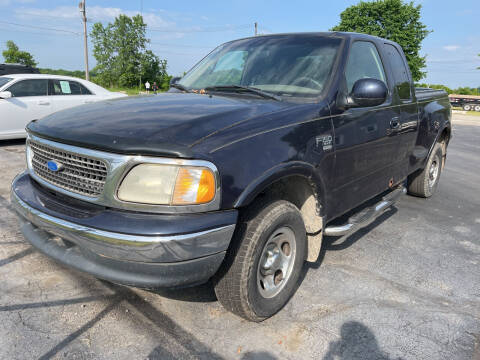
<point x="477" y="108"/>
<point x="425" y="182"/>
<point x="467" y="107"/>
<point x="263" y="265"/>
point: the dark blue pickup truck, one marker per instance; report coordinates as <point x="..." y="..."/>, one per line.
<point x="236" y="173"/>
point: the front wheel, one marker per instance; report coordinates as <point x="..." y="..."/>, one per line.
<point x="425" y="182"/>
<point x="467" y="107"/>
<point x="477" y="107"/>
<point x="263" y="265"/>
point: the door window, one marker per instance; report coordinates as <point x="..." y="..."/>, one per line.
<point x="400" y="72"/>
<point x="363" y="62"/>
<point x="34" y="87"/>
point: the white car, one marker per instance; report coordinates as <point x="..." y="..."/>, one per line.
<point x="27" y="97"/>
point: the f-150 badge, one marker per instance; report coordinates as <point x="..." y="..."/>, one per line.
<point x="324" y="142"/>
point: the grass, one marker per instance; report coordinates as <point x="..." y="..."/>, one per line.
<point x="473" y="113"/>
<point x="128" y="91"/>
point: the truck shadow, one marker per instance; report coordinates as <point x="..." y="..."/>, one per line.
<point x="12" y="142"/>
<point x="200" y="293"/>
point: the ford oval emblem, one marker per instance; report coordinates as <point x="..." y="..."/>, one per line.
<point x="54" y="166"/>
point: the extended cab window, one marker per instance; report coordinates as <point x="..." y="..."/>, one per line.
<point x="34" y="87"/>
<point x="363" y="62"/>
<point x="66" y="87"/>
<point x="400" y="73"/>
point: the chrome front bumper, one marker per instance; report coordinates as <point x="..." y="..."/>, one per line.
<point x="118" y="256"/>
<point x="125" y="246"/>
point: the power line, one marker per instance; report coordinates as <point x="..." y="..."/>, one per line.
<point x="210" y="29"/>
<point x="40" y="27"/>
<point x="183" y="45"/>
<point x="51" y="34"/>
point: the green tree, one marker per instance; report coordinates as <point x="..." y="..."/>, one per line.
<point x="393" y="20"/>
<point x="14" y="55"/>
<point x="154" y="69"/>
<point x="120" y="51"/>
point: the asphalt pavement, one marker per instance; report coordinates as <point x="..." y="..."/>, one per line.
<point x="406" y="287"/>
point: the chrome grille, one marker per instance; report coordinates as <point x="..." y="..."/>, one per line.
<point x="81" y="174"/>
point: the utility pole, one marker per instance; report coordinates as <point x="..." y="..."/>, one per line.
<point x="256" y="28"/>
<point x="81" y="6"/>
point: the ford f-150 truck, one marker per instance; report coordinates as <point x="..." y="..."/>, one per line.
<point x="236" y="173"/>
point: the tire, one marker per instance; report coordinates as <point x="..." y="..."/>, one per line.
<point x="477" y="107"/>
<point x="467" y="107"/>
<point x="425" y="182"/>
<point x="243" y="285"/>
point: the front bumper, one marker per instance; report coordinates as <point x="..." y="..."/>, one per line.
<point x="131" y="248"/>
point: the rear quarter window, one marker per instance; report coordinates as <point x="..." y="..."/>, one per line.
<point x="400" y="72"/>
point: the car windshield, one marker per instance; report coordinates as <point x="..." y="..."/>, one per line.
<point x="4" y="80"/>
<point x="285" y="65"/>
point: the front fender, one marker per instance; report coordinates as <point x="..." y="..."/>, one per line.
<point x="278" y="172"/>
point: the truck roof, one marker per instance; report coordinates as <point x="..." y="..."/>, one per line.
<point x="343" y="34"/>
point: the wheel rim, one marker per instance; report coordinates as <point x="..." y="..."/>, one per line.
<point x="276" y="262"/>
<point x="433" y="173"/>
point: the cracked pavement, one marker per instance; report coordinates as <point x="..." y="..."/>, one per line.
<point x="405" y="287"/>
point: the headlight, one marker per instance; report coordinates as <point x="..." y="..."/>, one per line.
<point x="162" y="184"/>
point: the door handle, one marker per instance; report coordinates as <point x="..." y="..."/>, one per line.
<point x="43" y="102"/>
<point x="395" y="123"/>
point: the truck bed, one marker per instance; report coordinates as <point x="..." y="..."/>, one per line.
<point x="427" y="93"/>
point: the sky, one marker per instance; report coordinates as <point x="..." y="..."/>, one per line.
<point x="183" y="31"/>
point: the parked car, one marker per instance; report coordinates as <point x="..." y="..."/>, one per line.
<point x="27" y="97"/>
<point x="236" y="173"/>
<point x="6" y="69"/>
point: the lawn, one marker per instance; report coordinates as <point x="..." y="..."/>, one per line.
<point x="474" y="113"/>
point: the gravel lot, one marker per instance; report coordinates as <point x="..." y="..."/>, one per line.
<point x="406" y="287"/>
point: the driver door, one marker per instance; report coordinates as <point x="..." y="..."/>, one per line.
<point x="29" y="101"/>
<point x="365" y="147"/>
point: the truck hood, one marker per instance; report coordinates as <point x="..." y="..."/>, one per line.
<point x="166" y="124"/>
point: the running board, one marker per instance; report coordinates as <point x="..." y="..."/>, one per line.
<point x="367" y="215"/>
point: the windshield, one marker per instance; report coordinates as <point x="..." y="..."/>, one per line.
<point x="285" y="65"/>
<point x="4" y="80"/>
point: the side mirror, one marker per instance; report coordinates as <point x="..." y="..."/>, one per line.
<point x="368" y="92"/>
<point x="174" y="80"/>
<point x="5" y="95"/>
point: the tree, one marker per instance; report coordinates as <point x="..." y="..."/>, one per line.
<point x="120" y="51"/>
<point x="393" y="20"/>
<point x="14" y="55"/>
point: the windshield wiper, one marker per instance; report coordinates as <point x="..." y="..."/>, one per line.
<point x="240" y="88"/>
<point x="180" y="87"/>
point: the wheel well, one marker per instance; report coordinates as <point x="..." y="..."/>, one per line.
<point x="303" y="194"/>
<point x="445" y="136"/>
<point x="443" y="140"/>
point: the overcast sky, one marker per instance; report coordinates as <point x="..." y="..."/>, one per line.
<point x="184" y="31"/>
